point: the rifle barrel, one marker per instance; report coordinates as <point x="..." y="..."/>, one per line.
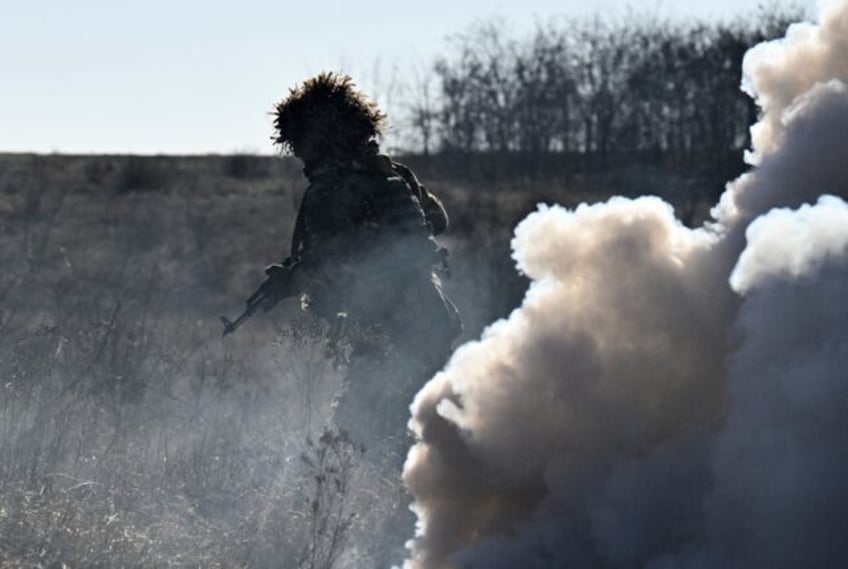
<point x="230" y="326"/>
<point x="270" y="292"/>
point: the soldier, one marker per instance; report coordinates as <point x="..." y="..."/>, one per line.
<point x="366" y="254"/>
<point x="364" y="235"/>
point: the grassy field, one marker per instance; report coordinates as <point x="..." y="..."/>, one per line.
<point x="132" y="434"/>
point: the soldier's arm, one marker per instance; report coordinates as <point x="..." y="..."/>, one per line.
<point x="435" y="212"/>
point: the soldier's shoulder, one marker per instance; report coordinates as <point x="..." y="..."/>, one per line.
<point x="361" y="179"/>
<point x="402" y="169"/>
<point x="327" y="182"/>
<point x="339" y="196"/>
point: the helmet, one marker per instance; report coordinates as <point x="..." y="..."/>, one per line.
<point x="327" y="117"/>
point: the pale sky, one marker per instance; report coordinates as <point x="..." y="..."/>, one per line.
<point x="172" y="77"/>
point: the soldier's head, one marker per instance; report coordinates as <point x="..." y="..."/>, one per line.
<point x="326" y="117"/>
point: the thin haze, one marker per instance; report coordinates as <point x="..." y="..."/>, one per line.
<point x="170" y="77"/>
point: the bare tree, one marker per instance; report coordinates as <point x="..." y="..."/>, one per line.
<point x="639" y="86"/>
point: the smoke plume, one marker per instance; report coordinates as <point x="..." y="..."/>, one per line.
<point x="665" y="397"/>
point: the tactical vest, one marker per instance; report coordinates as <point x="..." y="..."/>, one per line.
<point x="365" y="234"/>
<point x="375" y="196"/>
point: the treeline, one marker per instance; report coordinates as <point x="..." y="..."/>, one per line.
<point x="593" y="90"/>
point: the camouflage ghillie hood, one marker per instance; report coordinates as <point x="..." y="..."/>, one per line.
<point x="327" y="117"/>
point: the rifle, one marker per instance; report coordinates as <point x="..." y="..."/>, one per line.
<point x="277" y="285"/>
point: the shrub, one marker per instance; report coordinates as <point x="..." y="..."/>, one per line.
<point x="245" y="166"/>
<point x="140" y="174"/>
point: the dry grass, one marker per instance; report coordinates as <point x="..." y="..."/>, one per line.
<point x="131" y="434"/>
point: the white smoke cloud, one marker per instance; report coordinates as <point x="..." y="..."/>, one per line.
<point x="780" y="497"/>
<point x="637" y="411"/>
<point x="778" y="72"/>
<point x="793" y="244"/>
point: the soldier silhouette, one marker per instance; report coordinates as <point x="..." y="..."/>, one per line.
<point x="364" y="235"/>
